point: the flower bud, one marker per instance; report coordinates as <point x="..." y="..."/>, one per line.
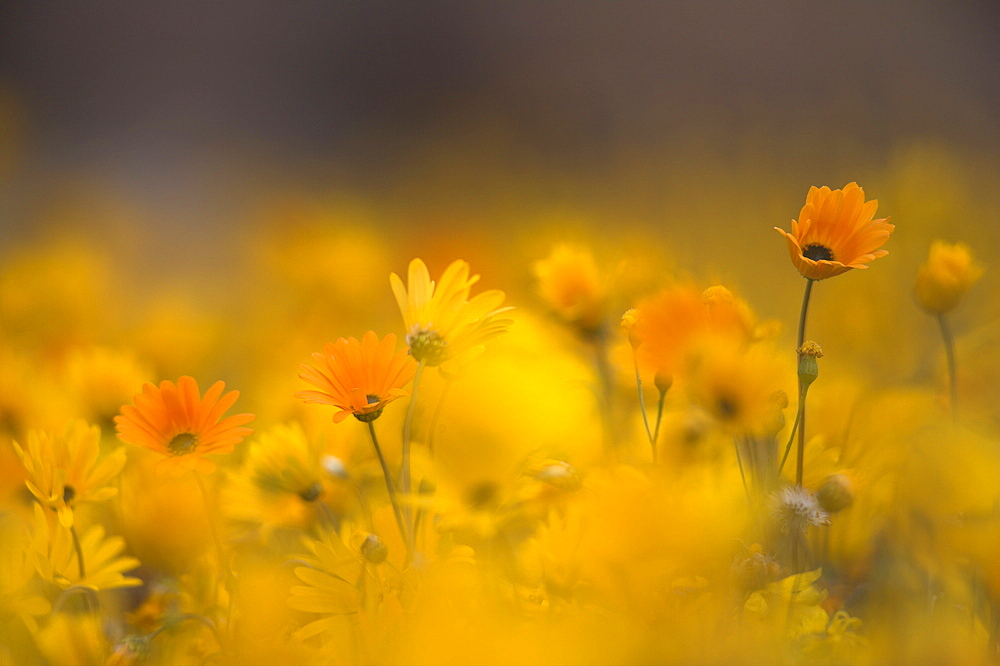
<point x="630" y="322"/>
<point x="663" y="381"/>
<point x="374" y="549"/>
<point x="836" y="493"/>
<point x="945" y="277"/>
<point x="808" y="367"/>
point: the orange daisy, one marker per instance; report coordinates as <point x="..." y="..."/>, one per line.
<point x="359" y="378"/>
<point x="176" y="421"/>
<point x="835" y="232"/>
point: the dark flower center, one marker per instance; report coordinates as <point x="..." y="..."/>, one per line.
<point x="728" y="408"/>
<point x="185" y="442"/>
<point x="312" y="493"/>
<point x="68" y="494"/>
<point x="817" y="252"/>
<point x="372" y="399"/>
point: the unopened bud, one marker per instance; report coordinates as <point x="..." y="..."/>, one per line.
<point x="836" y="493"/>
<point x="374" y="549"/>
<point x="663" y="381"/>
<point x="630" y="322"/>
<point x="808" y="367"/>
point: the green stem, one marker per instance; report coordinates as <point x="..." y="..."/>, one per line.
<point x="642" y="404"/>
<point x="949" y="350"/>
<point x="407" y="426"/>
<point x="220" y="553"/>
<point x="404" y="475"/>
<point x="659" y="415"/>
<point x="607" y="387"/>
<point x="739" y="461"/>
<point x="795" y="426"/>
<point x="802" y="393"/>
<point x="79" y="551"/>
<point x="403" y="531"/>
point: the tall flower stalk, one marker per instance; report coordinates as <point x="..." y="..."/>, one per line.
<point x="835" y="232"/>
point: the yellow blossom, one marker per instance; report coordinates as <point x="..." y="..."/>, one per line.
<point x="570" y="283"/>
<point x="947" y="275"/>
<point x="63" y="470"/>
<point x="442" y="323"/>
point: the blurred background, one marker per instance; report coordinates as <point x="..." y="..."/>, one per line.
<point x="193" y="147"/>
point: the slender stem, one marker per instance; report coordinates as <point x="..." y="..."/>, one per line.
<point x="213" y="528"/>
<point x="89" y="594"/>
<point x="801" y="417"/>
<point x="949" y="350"/>
<point x="407" y="426"/>
<point x="659" y="415"/>
<point x="739" y="461"/>
<point x="79" y="551"/>
<point x="795" y="426"/>
<point x="802" y="313"/>
<point x="403" y="531"/>
<point x="607" y="386"/>
<point x="220" y="552"/>
<point x="642" y="404"/>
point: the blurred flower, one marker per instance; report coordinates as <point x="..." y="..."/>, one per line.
<point x="56" y="294"/>
<point x="359" y="378"/>
<point x="63" y="470"/>
<point x="630" y="324"/>
<point x="100" y="380"/>
<point x="330" y="584"/>
<point x="671" y="323"/>
<point x="58" y="561"/>
<point x="835" y="232"/>
<point x="836" y="493"/>
<point x="280" y="481"/>
<point x="796" y="509"/>
<point x="946" y="277"/>
<point x="176" y="421"/>
<point x="569" y="282"/>
<point x="791" y="604"/>
<point x="442" y="323"/>
<point x="735" y="384"/>
<point x="17" y="571"/>
<point x="72" y="639"/>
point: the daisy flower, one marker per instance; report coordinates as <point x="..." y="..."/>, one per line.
<point x="358" y="378"/>
<point x="835" y="232"/>
<point x="63" y="470"/>
<point x="442" y="323"/>
<point x="174" y="420"/>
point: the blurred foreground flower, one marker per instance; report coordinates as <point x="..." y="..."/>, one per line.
<point x="176" y="421"/>
<point x="947" y="275"/>
<point x="441" y="322"/>
<point x="95" y="563"/>
<point x="835" y="232"/>
<point x="569" y="282"/>
<point x="63" y="470"/>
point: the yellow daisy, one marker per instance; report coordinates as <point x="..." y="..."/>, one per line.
<point x="58" y="560"/>
<point x="946" y="276"/>
<point x="442" y="323"/>
<point x="63" y="470"/>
